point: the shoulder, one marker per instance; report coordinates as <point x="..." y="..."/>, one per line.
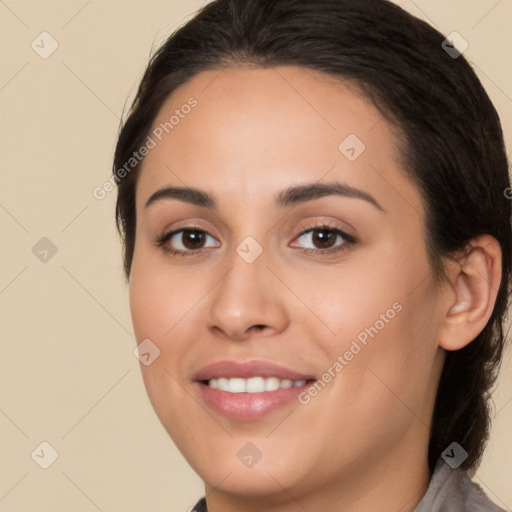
<point x="451" y="490"/>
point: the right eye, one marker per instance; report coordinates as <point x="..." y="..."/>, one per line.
<point x="185" y="241"/>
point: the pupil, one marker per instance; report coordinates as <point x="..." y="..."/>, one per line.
<point x="324" y="237"/>
<point x="192" y="239"/>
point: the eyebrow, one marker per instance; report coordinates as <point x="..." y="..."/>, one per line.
<point x="291" y="196"/>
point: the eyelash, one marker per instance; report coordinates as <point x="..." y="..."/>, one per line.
<point x="348" y="240"/>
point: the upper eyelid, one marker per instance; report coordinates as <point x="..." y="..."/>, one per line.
<point x="303" y="230"/>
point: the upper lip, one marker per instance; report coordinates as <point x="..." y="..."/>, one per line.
<point x="247" y="369"/>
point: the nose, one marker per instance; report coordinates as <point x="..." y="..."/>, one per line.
<point x="248" y="299"/>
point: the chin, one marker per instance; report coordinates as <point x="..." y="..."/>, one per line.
<point x="268" y="476"/>
<point x="247" y="482"/>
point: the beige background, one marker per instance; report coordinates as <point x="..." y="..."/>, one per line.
<point x="68" y="374"/>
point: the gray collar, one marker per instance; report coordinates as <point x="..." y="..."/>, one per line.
<point x="451" y="490"/>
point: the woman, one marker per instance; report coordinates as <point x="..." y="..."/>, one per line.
<point x="318" y="248"/>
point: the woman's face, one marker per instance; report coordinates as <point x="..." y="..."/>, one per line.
<point x="331" y="284"/>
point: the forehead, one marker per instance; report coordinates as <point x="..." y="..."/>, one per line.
<point x="253" y="129"/>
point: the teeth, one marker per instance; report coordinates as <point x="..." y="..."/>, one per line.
<point x="253" y="385"/>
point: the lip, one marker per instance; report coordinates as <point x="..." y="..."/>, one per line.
<point x="248" y="406"/>
<point x="247" y="369"/>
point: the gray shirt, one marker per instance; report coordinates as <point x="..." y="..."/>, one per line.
<point x="450" y="490"/>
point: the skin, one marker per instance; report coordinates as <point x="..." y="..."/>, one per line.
<point x="361" y="443"/>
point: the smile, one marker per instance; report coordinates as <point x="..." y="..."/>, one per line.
<point x="253" y="384"/>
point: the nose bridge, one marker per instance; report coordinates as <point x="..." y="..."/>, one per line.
<point x="244" y="297"/>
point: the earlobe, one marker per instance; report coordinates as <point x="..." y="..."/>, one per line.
<point x="475" y="282"/>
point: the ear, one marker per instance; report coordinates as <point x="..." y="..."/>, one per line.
<point x="474" y="281"/>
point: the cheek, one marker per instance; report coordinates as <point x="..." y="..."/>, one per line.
<point x="354" y="297"/>
<point x="165" y="304"/>
<point x="148" y="305"/>
<point x="383" y="323"/>
<point x="160" y="297"/>
<point x="159" y="303"/>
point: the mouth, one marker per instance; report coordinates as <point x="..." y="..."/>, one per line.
<point x="248" y="391"/>
<point x="253" y="398"/>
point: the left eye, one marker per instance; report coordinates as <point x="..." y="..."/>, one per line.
<point x="324" y="238"/>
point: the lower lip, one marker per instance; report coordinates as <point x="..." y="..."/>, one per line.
<point x="249" y="406"/>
